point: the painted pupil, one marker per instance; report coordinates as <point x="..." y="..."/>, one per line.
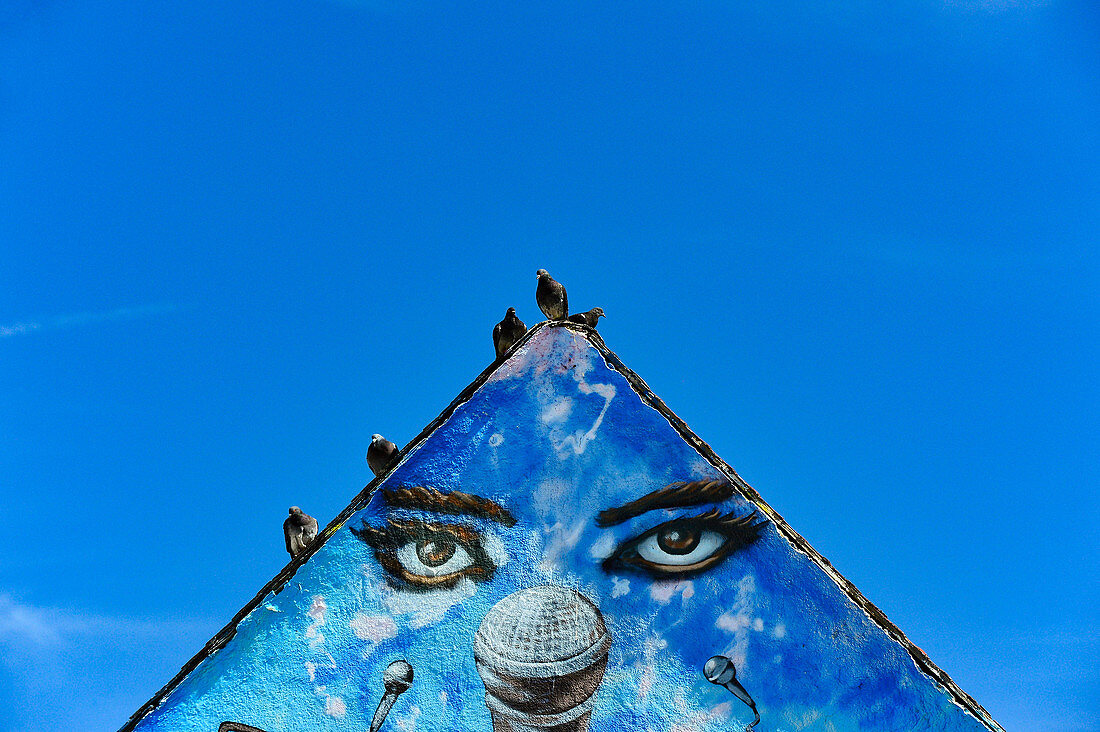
<point x="678" y="540"/>
<point x="433" y="552"/>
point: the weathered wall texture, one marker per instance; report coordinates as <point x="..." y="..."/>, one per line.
<point x="553" y="455"/>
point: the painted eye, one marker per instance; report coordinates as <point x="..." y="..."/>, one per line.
<point x="435" y="557"/>
<point x="680" y="545"/>
<point x="686" y="545"/>
<point x="419" y="555"/>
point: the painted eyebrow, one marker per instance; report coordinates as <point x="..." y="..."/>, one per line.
<point x="675" y="495"/>
<point x="454" y="503"/>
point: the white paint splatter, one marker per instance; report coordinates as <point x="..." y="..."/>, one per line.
<point x="663" y="592"/>
<point x="335" y="707"/>
<point x="758" y="624"/>
<point x="738" y="619"/>
<point x="603" y="546"/>
<point x="695" y="720"/>
<point x="578" y="441"/>
<point x="373" y="628"/>
<point x="651" y="648"/>
<point x="619" y="587"/>
<point x="561" y="540"/>
<point x="317" y="612"/>
<point x="557" y="411"/>
<point x="779" y="631"/>
<point x="731" y="623"/>
<point x="311" y="669"/>
<point x="496" y="440"/>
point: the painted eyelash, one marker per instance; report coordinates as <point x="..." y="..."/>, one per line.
<point x="398" y="531"/>
<point x="729" y="521"/>
<point x="387" y="540"/>
<point x="739" y="532"/>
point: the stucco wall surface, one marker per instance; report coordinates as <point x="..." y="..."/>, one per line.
<point x="563" y="445"/>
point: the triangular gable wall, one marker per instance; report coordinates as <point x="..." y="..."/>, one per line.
<point x="559" y="468"/>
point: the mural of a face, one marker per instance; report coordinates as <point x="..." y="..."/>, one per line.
<point x="556" y="556"/>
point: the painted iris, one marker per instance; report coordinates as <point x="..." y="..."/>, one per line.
<point x="422" y="555"/>
<point x="686" y="545"/>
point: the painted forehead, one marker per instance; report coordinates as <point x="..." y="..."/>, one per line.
<point x="681" y="494"/>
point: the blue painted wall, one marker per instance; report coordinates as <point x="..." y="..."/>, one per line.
<point x="556" y="436"/>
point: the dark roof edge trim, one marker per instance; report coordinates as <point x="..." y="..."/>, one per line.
<point x="279" y="581"/>
<point x="920" y="658"/>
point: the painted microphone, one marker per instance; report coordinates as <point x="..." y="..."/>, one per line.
<point x="396" y="679"/>
<point x="720" y="670"/>
<point x="542" y="653"/>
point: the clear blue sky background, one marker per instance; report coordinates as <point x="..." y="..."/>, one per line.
<point x="852" y="244"/>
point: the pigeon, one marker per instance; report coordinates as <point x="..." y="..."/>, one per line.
<point x="299" y="529"/>
<point x="507" y="332"/>
<point x="590" y="318"/>
<point x="380" y="454"/>
<point x="551" y="297"/>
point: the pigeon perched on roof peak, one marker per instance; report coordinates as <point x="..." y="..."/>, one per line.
<point x="299" y="529"/>
<point x="589" y="318"/>
<point x="551" y="297"/>
<point x="507" y="332"/>
<point x="380" y="453"/>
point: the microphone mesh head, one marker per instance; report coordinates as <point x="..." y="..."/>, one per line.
<point x="719" y="670"/>
<point x="398" y="676"/>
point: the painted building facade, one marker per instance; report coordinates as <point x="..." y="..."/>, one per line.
<point x="557" y="551"/>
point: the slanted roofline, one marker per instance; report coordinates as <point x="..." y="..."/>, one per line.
<point x="279" y="581"/>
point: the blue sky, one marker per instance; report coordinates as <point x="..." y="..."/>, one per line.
<point x="852" y="246"/>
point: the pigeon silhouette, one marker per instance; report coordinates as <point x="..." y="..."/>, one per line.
<point x="550" y="296"/>
<point x="507" y="332"/>
<point x="589" y="318"/>
<point x="299" y="529"/>
<point x="380" y="454"/>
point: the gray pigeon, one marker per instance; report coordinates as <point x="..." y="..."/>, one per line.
<point x="507" y="332"/>
<point x="590" y="318"/>
<point x="380" y="454"/>
<point x="299" y="529"/>
<point x="551" y="297"/>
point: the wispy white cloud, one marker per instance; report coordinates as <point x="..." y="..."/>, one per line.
<point x="44" y="628"/>
<point x="25" y="624"/>
<point x="53" y="660"/>
<point x="74" y="320"/>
